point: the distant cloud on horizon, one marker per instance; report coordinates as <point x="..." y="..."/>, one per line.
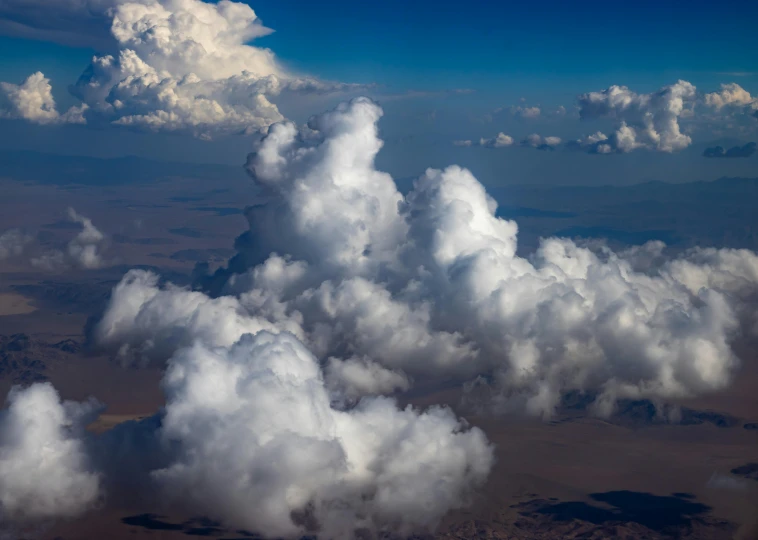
<point x="183" y="66"/>
<point x="744" y="151"/>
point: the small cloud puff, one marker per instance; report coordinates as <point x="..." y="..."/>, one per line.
<point x="541" y="143"/>
<point x="83" y="251"/>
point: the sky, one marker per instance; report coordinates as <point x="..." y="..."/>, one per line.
<point x="442" y="72"/>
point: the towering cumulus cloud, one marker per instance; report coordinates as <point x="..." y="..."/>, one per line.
<point x="386" y="289"/>
<point x="648" y="121"/>
<point x="178" y="65"/>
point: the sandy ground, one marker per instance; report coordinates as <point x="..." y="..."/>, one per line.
<point x="15" y="304"/>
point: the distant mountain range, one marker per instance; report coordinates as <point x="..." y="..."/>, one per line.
<point x="720" y="213"/>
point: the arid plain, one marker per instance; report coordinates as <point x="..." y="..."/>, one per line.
<point x="572" y="476"/>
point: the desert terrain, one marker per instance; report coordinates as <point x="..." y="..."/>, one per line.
<point x="572" y="476"/>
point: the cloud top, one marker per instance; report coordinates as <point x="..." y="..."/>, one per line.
<point x="173" y="65"/>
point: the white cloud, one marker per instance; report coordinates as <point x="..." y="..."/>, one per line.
<point x="500" y="141"/>
<point x="649" y="121"/>
<point x="44" y="471"/>
<point x="33" y="100"/>
<point x="596" y="143"/>
<point x="83" y="251"/>
<point x="466" y="142"/>
<point x="541" y="143"/>
<point x="179" y="65"/>
<point x="526" y="112"/>
<point x="430" y="286"/>
<point x="519" y="111"/>
<point x="260" y="447"/>
<point x="146" y="322"/>
<point x="354" y="377"/>
<point x="731" y="94"/>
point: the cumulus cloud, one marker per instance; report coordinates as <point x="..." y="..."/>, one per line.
<point x="649" y="121"/>
<point x="33" y="100"/>
<point x="179" y="65"/>
<point x="596" y="143"/>
<point x="541" y="143"/>
<point x="500" y="141"/>
<point x="357" y="377"/>
<point x="44" y="470"/>
<point x="393" y="289"/>
<point x="518" y="111"/>
<point x="83" y="251"/>
<point x="525" y="112"/>
<point x="731" y="95"/>
<point x="260" y="447"/>
<point x="250" y="436"/>
<point x="12" y="243"/>
<point x="744" y="151"/>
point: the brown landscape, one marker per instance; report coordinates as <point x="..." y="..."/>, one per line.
<point x="574" y="476"/>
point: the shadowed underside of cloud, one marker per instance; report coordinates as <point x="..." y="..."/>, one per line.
<point x="174" y="65"/>
<point x="744" y="151"/>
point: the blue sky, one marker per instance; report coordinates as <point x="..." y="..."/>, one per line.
<point x="494" y="47"/>
<point x="417" y="54"/>
<point x="514" y="46"/>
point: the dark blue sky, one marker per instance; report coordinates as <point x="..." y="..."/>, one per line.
<point x="496" y="46"/>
